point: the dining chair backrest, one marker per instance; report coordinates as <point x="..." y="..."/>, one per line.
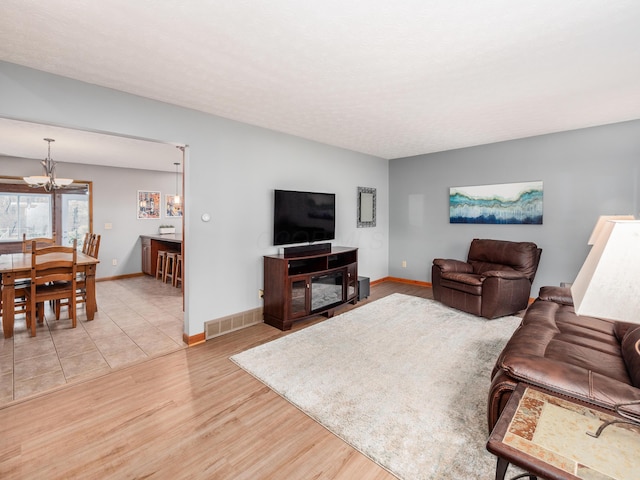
<point x="53" y="264"/>
<point x="53" y="277"/>
<point x="85" y="244"/>
<point x="40" y="242"/>
<point x="94" y="246"/>
<point x="91" y="245"/>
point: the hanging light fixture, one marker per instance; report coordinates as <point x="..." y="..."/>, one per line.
<point x="176" y="199"/>
<point x="48" y="181"/>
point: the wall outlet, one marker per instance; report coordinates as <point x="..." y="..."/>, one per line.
<point x="260" y="293"/>
<point x="404" y="264"/>
<point x="108" y="226"/>
<point x="114" y="262"/>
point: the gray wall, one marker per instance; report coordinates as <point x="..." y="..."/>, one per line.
<point x="586" y="173"/>
<point x="116" y="206"/>
<point x="230" y="173"/>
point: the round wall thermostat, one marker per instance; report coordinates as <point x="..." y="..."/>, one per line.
<point x="205" y="217"/>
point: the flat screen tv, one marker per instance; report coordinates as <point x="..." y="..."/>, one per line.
<point x="303" y="217"/>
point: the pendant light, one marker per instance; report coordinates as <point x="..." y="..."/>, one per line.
<point x="48" y="181"/>
<point x="176" y="199"/>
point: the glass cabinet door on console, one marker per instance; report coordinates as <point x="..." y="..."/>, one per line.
<point x="352" y="281"/>
<point x="327" y="290"/>
<point x="298" y="290"/>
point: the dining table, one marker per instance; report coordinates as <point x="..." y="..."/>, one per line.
<point x="17" y="266"/>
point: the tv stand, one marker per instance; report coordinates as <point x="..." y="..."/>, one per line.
<point x="308" y="284"/>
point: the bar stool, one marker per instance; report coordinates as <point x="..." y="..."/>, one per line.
<point x="161" y="264"/>
<point x="170" y="267"/>
<point x="178" y="271"/>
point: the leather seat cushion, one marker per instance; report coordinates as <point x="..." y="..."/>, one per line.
<point x="552" y="331"/>
<point x="463" y="282"/>
<point x="481" y="267"/>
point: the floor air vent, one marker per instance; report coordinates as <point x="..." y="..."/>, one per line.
<point x="231" y="323"/>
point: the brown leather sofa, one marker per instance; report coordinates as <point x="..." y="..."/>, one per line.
<point x="589" y="359"/>
<point x="494" y="281"/>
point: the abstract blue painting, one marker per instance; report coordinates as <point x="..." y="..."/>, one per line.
<point x="506" y="203"/>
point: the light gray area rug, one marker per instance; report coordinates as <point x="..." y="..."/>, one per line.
<point x="404" y="380"/>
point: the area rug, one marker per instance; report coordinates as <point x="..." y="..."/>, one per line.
<point x="404" y="380"/>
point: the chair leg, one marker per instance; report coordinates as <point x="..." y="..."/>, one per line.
<point x="72" y="310"/>
<point x="28" y="315"/>
<point x="34" y="312"/>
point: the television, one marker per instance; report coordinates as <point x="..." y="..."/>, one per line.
<point x="303" y="217"/>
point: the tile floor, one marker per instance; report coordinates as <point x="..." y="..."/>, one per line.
<point x="137" y="318"/>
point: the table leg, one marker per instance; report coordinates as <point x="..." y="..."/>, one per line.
<point x="90" y="278"/>
<point x="501" y="468"/>
<point x="8" y="303"/>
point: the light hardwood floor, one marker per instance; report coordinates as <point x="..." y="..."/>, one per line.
<point x="191" y="413"/>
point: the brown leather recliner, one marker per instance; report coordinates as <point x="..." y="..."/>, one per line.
<point x="494" y="281"/>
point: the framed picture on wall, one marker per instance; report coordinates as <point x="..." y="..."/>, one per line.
<point x="505" y="203"/>
<point x="148" y="205"/>
<point x="172" y="208"/>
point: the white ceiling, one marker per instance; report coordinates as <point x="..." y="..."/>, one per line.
<point x="388" y="78"/>
<point x="26" y="140"/>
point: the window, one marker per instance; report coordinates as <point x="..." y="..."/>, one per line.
<point x="75" y="218"/>
<point x="29" y="213"/>
<point x="63" y="214"/>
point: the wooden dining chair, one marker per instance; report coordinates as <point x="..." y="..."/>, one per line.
<point x="40" y="242"/>
<point x="91" y="247"/>
<point x="94" y="246"/>
<point x="85" y="243"/>
<point x="20" y="302"/>
<point x="53" y="277"/>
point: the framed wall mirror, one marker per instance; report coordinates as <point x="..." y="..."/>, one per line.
<point x="366" y="207"/>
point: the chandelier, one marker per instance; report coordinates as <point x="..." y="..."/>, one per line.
<point x="48" y="181"/>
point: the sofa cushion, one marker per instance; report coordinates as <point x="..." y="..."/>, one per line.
<point x="485" y="254"/>
<point x="576" y="356"/>
<point x="631" y="355"/>
<point x="553" y="333"/>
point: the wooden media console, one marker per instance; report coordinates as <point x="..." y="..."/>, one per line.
<point x="298" y="287"/>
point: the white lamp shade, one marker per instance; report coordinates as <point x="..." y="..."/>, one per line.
<point x="602" y="219"/>
<point x="63" y="182"/>
<point x="608" y="284"/>
<point x="36" y="180"/>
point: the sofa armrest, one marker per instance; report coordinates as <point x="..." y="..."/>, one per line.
<point x="450" y="265"/>
<point x="561" y="295"/>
